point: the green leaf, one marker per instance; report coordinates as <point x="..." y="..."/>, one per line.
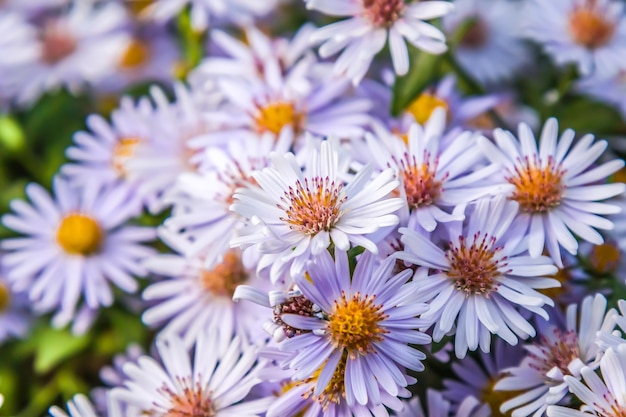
<point x="53" y="346"/>
<point x="424" y="70"/>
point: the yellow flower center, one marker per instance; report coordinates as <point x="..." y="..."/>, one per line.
<point x="314" y="206"/>
<point x="56" y="43"/>
<point x="79" y="234"/>
<point x="537" y="190"/>
<point x="5" y="297"/>
<point x="274" y="116"/>
<point x="474" y="267"/>
<point x="123" y="151"/>
<point x="335" y="390"/>
<point x="423" y="106"/>
<point x="383" y="12"/>
<point x="193" y="402"/>
<point x="136" y="54"/>
<point x="589" y="27"/>
<point x="226" y="276"/>
<point x="604" y="258"/>
<point x="136" y="7"/>
<point x="420" y="185"/>
<point x="355" y="324"/>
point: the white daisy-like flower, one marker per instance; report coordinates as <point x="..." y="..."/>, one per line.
<point x="605" y="396"/>
<point x="491" y="50"/>
<point x="481" y="279"/>
<point x="79" y="406"/>
<point x="365" y="33"/>
<point x="76" y="245"/>
<point x="213" y="382"/>
<point x="559" y="353"/>
<point x="196" y="295"/>
<point x="589" y="33"/>
<point x="304" y="211"/>
<point x="69" y="50"/>
<point x="609" y="90"/>
<point x="433" y="179"/>
<point x="556" y="186"/>
<point x="610" y="336"/>
<point x="205" y="13"/>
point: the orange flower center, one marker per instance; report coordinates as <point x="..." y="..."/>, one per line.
<point x="123" y="151"/>
<point x="423" y="106"/>
<point x="79" y="234"/>
<point x="383" y="12"/>
<point x="589" y="27"/>
<point x="313" y="206"/>
<point x="420" y="184"/>
<point x="274" y="116"/>
<point x="5" y="297"/>
<point x="226" y="276"/>
<point x="604" y="258"/>
<point x="474" y="267"/>
<point x="537" y="190"/>
<point x="136" y="54"/>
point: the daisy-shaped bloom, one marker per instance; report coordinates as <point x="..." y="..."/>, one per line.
<point x="69" y="50"/>
<point x="205" y="13"/>
<point x="353" y="333"/>
<point x="589" y="33"/>
<point x="478" y="376"/>
<point x="14" y="314"/>
<point x="555" y="185"/>
<point x="481" y="279"/>
<point x="365" y="33"/>
<point x="491" y="50"/>
<point x="79" y="406"/>
<point x="76" y="245"/>
<point x="214" y="382"/>
<point x="433" y="179"/>
<point x="101" y="154"/>
<point x="304" y="212"/>
<point x="604" y="396"/>
<point x="610" y="336"/>
<point x="201" y="212"/>
<point x="437" y="406"/>
<point x="197" y="295"/>
<point x="539" y="378"/>
<point x="609" y="90"/>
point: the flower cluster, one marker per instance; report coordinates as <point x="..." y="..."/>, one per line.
<point x="265" y="212"/>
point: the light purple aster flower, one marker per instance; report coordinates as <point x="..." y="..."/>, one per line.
<point x="15" y="317"/>
<point x="480" y="279"/>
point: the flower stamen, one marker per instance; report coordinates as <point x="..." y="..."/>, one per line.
<point x="79" y="234"/>
<point x="224" y="278"/>
<point x="383" y="13"/>
<point x="538" y="189"/>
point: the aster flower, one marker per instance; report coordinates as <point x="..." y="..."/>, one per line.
<point x="604" y="396"/>
<point x="556" y="186"/>
<point x="491" y="50"/>
<point x="79" y="406"/>
<point x="437" y="406"/>
<point x="610" y="336"/>
<point x="14" y="314"/>
<point x="365" y="33"/>
<point x="197" y="295"/>
<point x="68" y="50"/>
<point x="433" y="179"/>
<point x="539" y="378"/>
<point x="76" y="245"/>
<point x="214" y="382"/>
<point x="350" y="332"/>
<point x="478" y="376"/>
<point x="589" y="33"/>
<point x="303" y="212"/>
<point x="204" y="13"/>
<point x="481" y="279"/>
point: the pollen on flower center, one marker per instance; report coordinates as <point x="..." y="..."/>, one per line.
<point x="421" y="186"/>
<point x="313" y="206"/>
<point x="559" y="353"/>
<point x="136" y="54"/>
<point x="5" y="297"/>
<point x="589" y="27"/>
<point x="296" y="304"/>
<point x="225" y="276"/>
<point x="537" y="190"/>
<point x="335" y="390"/>
<point x="474" y="268"/>
<point x="79" y="234"/>
<point x="274" y="116"/>
<point x="124" y="150"/>
<point x="383" y="12"/>
<point x="56" y="44"/>
<point x="193" y="402"/>
<point x="355" y="324"/>
<point x="423" y="107"/>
